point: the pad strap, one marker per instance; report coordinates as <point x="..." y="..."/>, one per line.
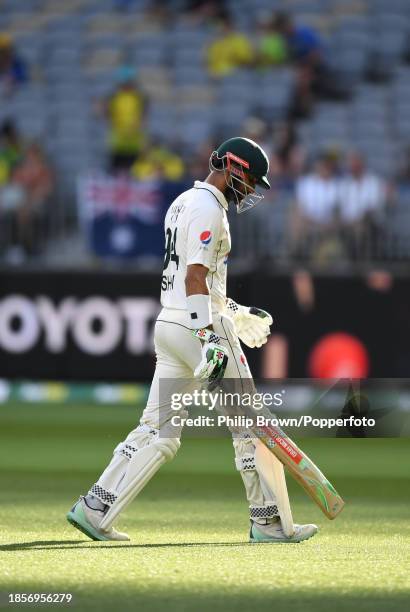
<point x="128" y="449"/>
<point x="246" y="463"/>
<point x="263" y="511"/>
<point x="104" y="495"/>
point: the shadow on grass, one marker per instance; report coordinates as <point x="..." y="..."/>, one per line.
<point x="243" y="600"/>
<point x="79" y="544"/>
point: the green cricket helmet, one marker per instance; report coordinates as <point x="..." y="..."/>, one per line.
<point x="239" y="157"/>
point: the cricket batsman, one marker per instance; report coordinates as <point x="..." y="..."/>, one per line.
<point x="197" y="337"/>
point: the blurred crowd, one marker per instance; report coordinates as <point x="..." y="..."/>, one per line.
<point x="339" y="210"/>
<point x="26" y="186"/>
<point x="337" y="205"/>
<point x="277" y="42"/>
<point x="13" y="70"/>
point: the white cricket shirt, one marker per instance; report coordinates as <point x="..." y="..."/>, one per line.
<point x="196" y="232"/>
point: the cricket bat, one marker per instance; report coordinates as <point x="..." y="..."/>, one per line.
<point x="302" y="469"/>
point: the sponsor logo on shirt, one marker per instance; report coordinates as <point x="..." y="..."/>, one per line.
<point x="206" y="237"/>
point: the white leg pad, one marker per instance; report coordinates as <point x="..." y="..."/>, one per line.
<point x="141" y="468"/>
<point x="264" y="480"/>
<point x="272" y="476"/>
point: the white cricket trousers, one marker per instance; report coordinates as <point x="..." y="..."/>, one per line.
<point x="178" y="353"/>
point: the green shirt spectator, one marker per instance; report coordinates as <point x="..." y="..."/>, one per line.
<point x="273" y="49"/>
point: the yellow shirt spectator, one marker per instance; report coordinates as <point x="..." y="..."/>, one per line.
<point x="158" y="160"/>
<point x="230" y="51"/>
<point x="4" y="171"/>
<point x="125" y="110"/>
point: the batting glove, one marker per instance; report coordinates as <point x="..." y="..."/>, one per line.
<point x="252" y="324"/>
<point x="211" y="369"/>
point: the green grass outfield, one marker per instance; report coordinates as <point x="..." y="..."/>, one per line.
<point x="189" y="527"/>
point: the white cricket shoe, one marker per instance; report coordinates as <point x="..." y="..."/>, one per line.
<point x="88" y="520"/>
<point x="274" y="533"/>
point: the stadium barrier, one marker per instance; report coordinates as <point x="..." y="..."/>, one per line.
<point x="89" y="326"/>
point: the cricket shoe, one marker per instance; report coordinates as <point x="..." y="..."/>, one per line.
<point x="88" y="520"/>
<point x="274" y="533"/>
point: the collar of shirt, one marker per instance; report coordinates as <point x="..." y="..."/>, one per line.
<point x="218" y="194"/>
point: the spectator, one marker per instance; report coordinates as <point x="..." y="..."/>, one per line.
<point x="230" y="50"/>
<point x="306" y="51"/>
<point x="125" y="111"/>
<point x="362" y="199"/>
<point x="304" y="44"/>
<point x="403" y="176"/>
<point x="10" y="149"/>
<point x="257" y="129"/>
<point x="13" y="71"/>
<point x="11" y="196"/>
<point x="157" y="161"/>
<point x="272" y="47"/>
<point x="203" y="12"/>
<point x="313" y="222"/>
<point x="24" y="199"/>
<point x="159" y="14"/>
<point x="288" y="158"/>
<point x="314" y="77"/>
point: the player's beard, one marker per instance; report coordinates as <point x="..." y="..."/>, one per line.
<point x="230" y="195"/>
<point x="234" y="196"/>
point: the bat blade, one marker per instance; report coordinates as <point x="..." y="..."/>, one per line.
<point x="305" y="472"/>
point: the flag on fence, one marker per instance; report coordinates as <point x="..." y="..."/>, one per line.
<point x="123" y="218"/>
